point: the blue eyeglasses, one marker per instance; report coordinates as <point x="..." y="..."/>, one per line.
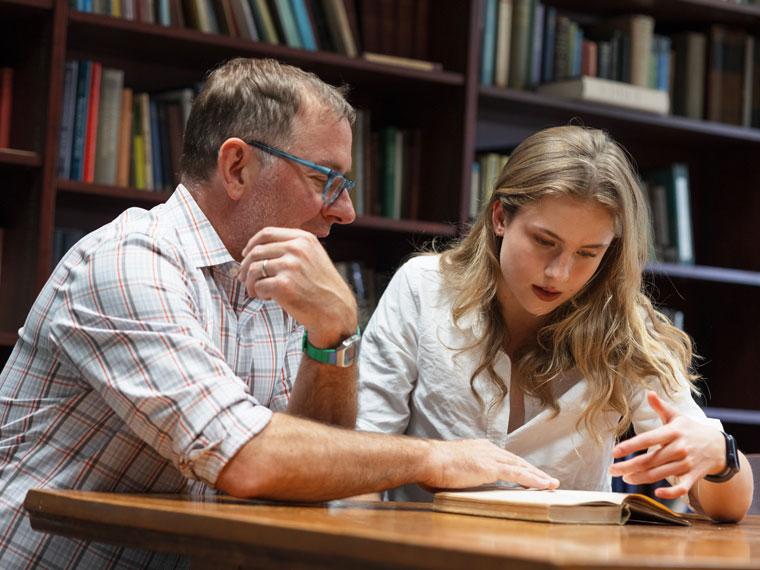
<point x="335" y="184"/>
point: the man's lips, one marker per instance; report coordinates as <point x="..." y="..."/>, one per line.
<point x="545" y="294"/>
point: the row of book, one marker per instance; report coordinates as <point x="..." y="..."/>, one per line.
<point x="391" y="27"/>
<point x="526" y="43"/>
<point x="712" y="74"/>
<point x="485" y="172"/>
<point x="668" y="195"/>
<point x="111" y="135"/>
<point x="386" y="168"/>
<point x="6" y="105"/>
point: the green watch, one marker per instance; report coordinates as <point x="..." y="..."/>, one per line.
<point x="343" y="356"/>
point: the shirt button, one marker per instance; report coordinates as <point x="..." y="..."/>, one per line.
<point x="233" y="272"/>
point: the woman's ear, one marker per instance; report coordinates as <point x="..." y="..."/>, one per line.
<point x="498" y="219"/>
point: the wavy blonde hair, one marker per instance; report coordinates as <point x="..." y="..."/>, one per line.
<point x="609" y="331"/>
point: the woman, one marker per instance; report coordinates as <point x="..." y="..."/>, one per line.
<point x="534" y="332"/>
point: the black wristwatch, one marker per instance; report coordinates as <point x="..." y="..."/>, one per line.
<point x="732" y="462"/>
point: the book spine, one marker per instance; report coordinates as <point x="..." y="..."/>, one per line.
<point x="66" y="136"/>
<point x="93" y="115"/>
<point x="521" y="41"/>
<point x="287" y="19"/>
<point x="106" y="150"/>
<point x="155" y="146"/>
<point x="305" y="28"/>
<point x="503" y="39"/>
<point x="125" y="138"/>
<point x="550" y="38"/>
<point x="537" y="40"/>
<point x="80" y="121"/>
<point x="489" y="39"/>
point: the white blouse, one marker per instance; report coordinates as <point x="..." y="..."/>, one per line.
<point x="414" y="381"/>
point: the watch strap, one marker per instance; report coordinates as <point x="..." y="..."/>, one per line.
<point x="732" y="462"/>
<point x="343" y="356"/>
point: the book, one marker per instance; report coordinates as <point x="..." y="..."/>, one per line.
<point x="690" y="63"/>
<point x="503" y="40"/>
<point x="488" y="45"/>
<point x="610" y="92"/>
<point x="66" y="133"/>
<point x="638" y="30"/>
<point x="674" y="179"/>
<point x="559" y="506"/>
<point x="109" y="123"/>
<point x="91" y="131"/>
<point x="402" y="61"/>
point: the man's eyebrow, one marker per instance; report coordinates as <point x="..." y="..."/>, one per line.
<point x="588" y="246"/>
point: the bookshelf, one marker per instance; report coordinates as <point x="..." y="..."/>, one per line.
<point x="457" y="118"/>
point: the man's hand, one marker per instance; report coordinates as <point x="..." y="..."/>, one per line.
<point x="291" y="267"/>
<point x="682" y="447"/>
<point x="473" y="462"/>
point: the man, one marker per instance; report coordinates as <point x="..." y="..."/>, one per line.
<point x="165" y="352"/>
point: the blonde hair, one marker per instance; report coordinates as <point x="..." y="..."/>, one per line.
<point x="609" y="331"/>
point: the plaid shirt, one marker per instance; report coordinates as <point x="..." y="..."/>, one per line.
<point x="142" y="367"/>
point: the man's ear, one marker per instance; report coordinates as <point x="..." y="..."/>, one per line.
<point x="236" y="165"/>
<point x="498" y="218"/>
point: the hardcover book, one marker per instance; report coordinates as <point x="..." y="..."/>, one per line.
<point x="560" y="506"/>
<point x="609" y="92"/>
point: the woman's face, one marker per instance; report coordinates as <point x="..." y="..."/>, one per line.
<point x="551" y="248"/>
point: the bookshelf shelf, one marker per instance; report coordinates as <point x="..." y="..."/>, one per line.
<point x="159" y="44"/>
<point x="23" y="158"/>
<point x="10" y="6"/>
<point x="404" y="226"/>
<point x="115" y="192"/>
<point x="8" y="338"/>
<point x="706" y="273"/>
<point x="495" y="101"/>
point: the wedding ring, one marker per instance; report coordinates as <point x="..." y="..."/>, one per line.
<point x="264" y="273"/>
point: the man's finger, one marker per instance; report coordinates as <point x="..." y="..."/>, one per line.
<point x="273" y="234"/>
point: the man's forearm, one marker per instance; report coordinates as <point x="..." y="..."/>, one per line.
<point x="325" y="393"/>
<point x="301" y="460"/>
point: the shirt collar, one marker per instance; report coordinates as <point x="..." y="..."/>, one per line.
<point x="199" y="239"/>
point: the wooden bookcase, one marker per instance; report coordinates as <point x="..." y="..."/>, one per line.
<point x="720" y="295"/>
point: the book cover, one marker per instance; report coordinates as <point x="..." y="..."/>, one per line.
<point x="488" y="44"/>
<point x="109" y="122"/>
<point x="80" y="121"/>
<point x="337" y="19"/>
<point x="521" y="44"/>
<point x="93" y="116"/>
<point x="688" y="84"/>
<point x="609" y="92"/>
<point x="724" y="75"/>
<point x="503" y="39"/>
<point x="68" y="111"/>
<point x="304" y="25"/>
<point x="558" y="506"/>
<point x="288" y="22"/>
<point x="125" y="138"/>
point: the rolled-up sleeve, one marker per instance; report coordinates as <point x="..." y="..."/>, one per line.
<point x="131" y="324"/>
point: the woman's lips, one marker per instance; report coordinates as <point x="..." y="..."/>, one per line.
<point x="544" y="294"/>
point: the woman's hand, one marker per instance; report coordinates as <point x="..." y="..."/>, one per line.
<point x="682" y="447"/>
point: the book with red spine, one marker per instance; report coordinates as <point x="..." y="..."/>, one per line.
<point x="91" y="133"/>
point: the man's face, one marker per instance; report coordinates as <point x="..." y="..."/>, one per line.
<point x="291" y="194"/>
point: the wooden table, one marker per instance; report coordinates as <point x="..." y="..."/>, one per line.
<point x="219" y="532"/>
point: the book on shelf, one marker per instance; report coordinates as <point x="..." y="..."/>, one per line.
<point x="668" y="192"/>
<point x="486" y="171"/>
<point x="6" y="105"/>
<point x="402" y="61"/>
<point x="558" y="506"/>
<point x="609" y="92"/>
<point x="725" y="74"/>
<point x="503" y="27"/>
<point x="690" y="64"/>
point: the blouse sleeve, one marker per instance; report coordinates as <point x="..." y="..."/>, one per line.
<point x="388" y="358"/>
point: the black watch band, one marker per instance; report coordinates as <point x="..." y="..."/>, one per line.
<point x="732" y="462"/>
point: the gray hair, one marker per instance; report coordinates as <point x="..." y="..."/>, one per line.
<point x="252" y="99"/>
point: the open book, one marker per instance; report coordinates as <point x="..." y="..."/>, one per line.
<point x="559" y="506"/>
